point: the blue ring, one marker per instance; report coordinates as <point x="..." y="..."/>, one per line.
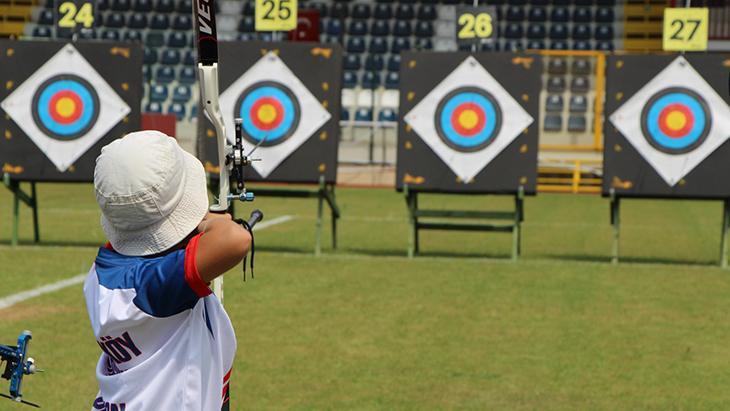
<point x="286" y="124"/>
<point x="692" y="136"/>
<point x="480" y="138"/>
<point x="77" y="126"/>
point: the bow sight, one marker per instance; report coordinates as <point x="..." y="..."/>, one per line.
<point x="17" y="365"/>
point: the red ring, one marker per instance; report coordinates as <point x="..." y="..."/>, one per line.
<point x="279" y="113"/>
<point x="58" y="117"/>
<point x="468" y="132"/>
<point x="682" y="131"/>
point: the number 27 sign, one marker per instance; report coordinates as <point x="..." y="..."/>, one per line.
<point x="685" y="29"/>
<point x="276" y="15"/>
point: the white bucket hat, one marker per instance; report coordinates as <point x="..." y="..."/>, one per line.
<point x="152" y="193"/>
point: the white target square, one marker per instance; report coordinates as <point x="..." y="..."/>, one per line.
<point x="675" y="121"/>
<point x="65" y="107"/>
<point x="279" y="113"/>
<point x="468" y="119"/>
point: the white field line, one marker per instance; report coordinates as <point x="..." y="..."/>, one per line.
<point x="13" y="299"/>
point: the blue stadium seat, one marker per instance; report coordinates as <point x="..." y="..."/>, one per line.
<point x="42" y="32"/>
<point x="557" y="66"/>
<point x="158" y="93"/>
<point x="400" y="44"/>
<point x="535" y="45"/>
<point x="581" y="32"/>
<point x="582" y="45"/>
<point x="388" y="115"/>
<point x="559" y="45"/>
<point x="121" y="5"/>
<point x="137" y="21"/>
<point x="604" y="15"/>
<point x="114" y="20"/>
<point x="164" y="6"/>
<point x="146" y="76"/>
<point x="46" y="18"/>
<point x="577" y="123"/>
<point x="554" y="103"/>
<point x="374" y="62"/>
<point x="361" y="11"/>
<point x="404" y="12"/>
<point x="537" y="15"/>
<point x="536" y="31"/>
<point x="334" y="27"/>
<point x="513" y="45"/>
<point x="187" y="75"/>
<point x="164" y="75"/>
<point x="152" y="39"/>
<point x="153" y="107"/>
<point x="182" y="94"/>
<point x="490" y="46"/>
<point x="426" y="12"/>
<point x="584" y="2"/>
<point x="87" y="34"/>
<point x="364" y="114"/>
<point x="339" y="10"/>
<point x="64" y="34"/>
<point x="558" y="32"/>
<point x="513" y="31"/>
<point x="357" y="28"/>
<point x="606" y="2"/>
<point x="402" y="28"/>
<point x="578" y="104"/>
<point x="132" y="36"/>
<point x="182" y="22"/>
<point x="423" y="43"/>
<point x="177" y="39"/>
<point x="424" y="29"/>
<point x="355" y="45"/>
<point x="320" y="7"/>
<point x="142" y="6"/>
<point x="604" y="45"/>
<point x="150" y="56"/>
<point x="515" y="14"/>
<point x="604" y="32"/>
<point x="380" y="28"/>
<point x="193" y="111"/>
<point x="579" y="84"/>
<point x="352" y="62"/>
<point x="378" y="45"/>
<point x="392" y="80"/>
<point x="160" y="21"/>
<point x="170" y="57"/>
<point x="184" y="7"/>
<point x="344" y="114"/>
<point x="371" y="80"/>
<point x="101" y="5"/>
<point x="582" y="15"/>
<point x="553" y="122"/>
<point x="178" y="110"/>
<point x="189" y="59"/>
<point x="249" y="9"/>
<point x="349" y="79"/>
<point x="559" y="15"/>
<point x="111" y="35"/>
<point x="581" y="67"/>
<point x="247" y="25"/>
<point x="383" y="12"/>
<point x="394" y="62"/>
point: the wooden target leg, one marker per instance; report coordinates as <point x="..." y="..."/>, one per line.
<point x="725" y="229"/>
<point x="320" y="205"/>
<point x="411" y="222"/>
<point x="16" y="216"/>
<point x="616" y="225"/>
<point x="34" y="205"/>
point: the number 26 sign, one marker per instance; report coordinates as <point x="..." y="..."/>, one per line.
<point x="475" y="24"/>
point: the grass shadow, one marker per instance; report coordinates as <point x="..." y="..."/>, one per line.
<point x="605" y="258"/>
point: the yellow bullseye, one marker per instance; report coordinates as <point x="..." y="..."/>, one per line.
<point x="267" y="113"/>
<point x="468" y="119"/>
<point x="676" y="120"/>
<point x="65" y="107"/>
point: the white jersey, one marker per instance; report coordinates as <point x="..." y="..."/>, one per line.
<point x="166" y="341"/>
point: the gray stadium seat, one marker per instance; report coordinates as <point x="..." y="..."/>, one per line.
<point x="577" y="123"/>
<point x="578" y="104"/>
<point x="554" y="103"/>
<point x="553" y="122"/>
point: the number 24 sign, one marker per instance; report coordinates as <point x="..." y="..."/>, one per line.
<point x="276" y="15"/>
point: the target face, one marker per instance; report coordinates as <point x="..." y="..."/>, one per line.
<point x="468" y="119"/>
<point x="676" y="120"/>
<point x="270" y="113"/>
<point x="65" y="107"/>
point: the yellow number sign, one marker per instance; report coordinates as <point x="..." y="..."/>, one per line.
<point x="74" y="13"/>
<point x="276" y="15"/>
<point x="475" y="24"/>
<point x="685" y="29"/>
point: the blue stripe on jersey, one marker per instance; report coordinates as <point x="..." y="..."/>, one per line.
<point x="159" y="282"/>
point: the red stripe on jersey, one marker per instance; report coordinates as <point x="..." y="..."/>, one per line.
<point x="192" y="276"/>
<point x="228" y="376"/>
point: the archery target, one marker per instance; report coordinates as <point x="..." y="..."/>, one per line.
<point x="270" y="113"/>
<point x="675" y="121"/>
<point x="462" y="121"/>
<point x="468" y="119"/>
<point x="65" y="107"/>
<point x="276" y="108"/>
<point x="65" y="113"/>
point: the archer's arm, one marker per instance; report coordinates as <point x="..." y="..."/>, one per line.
<point x="222" y="245"/>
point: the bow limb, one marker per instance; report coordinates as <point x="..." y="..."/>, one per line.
<point x="211" y="107"/>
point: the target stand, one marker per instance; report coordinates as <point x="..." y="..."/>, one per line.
<point x="31" y="200"/>
<point x="666" y="135"/>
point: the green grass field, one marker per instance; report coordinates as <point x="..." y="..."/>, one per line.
<point x="461" y="327"/>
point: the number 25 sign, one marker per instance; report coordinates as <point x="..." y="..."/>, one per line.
<point x="276" y="15"/>
<point x="685" y="29"/>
